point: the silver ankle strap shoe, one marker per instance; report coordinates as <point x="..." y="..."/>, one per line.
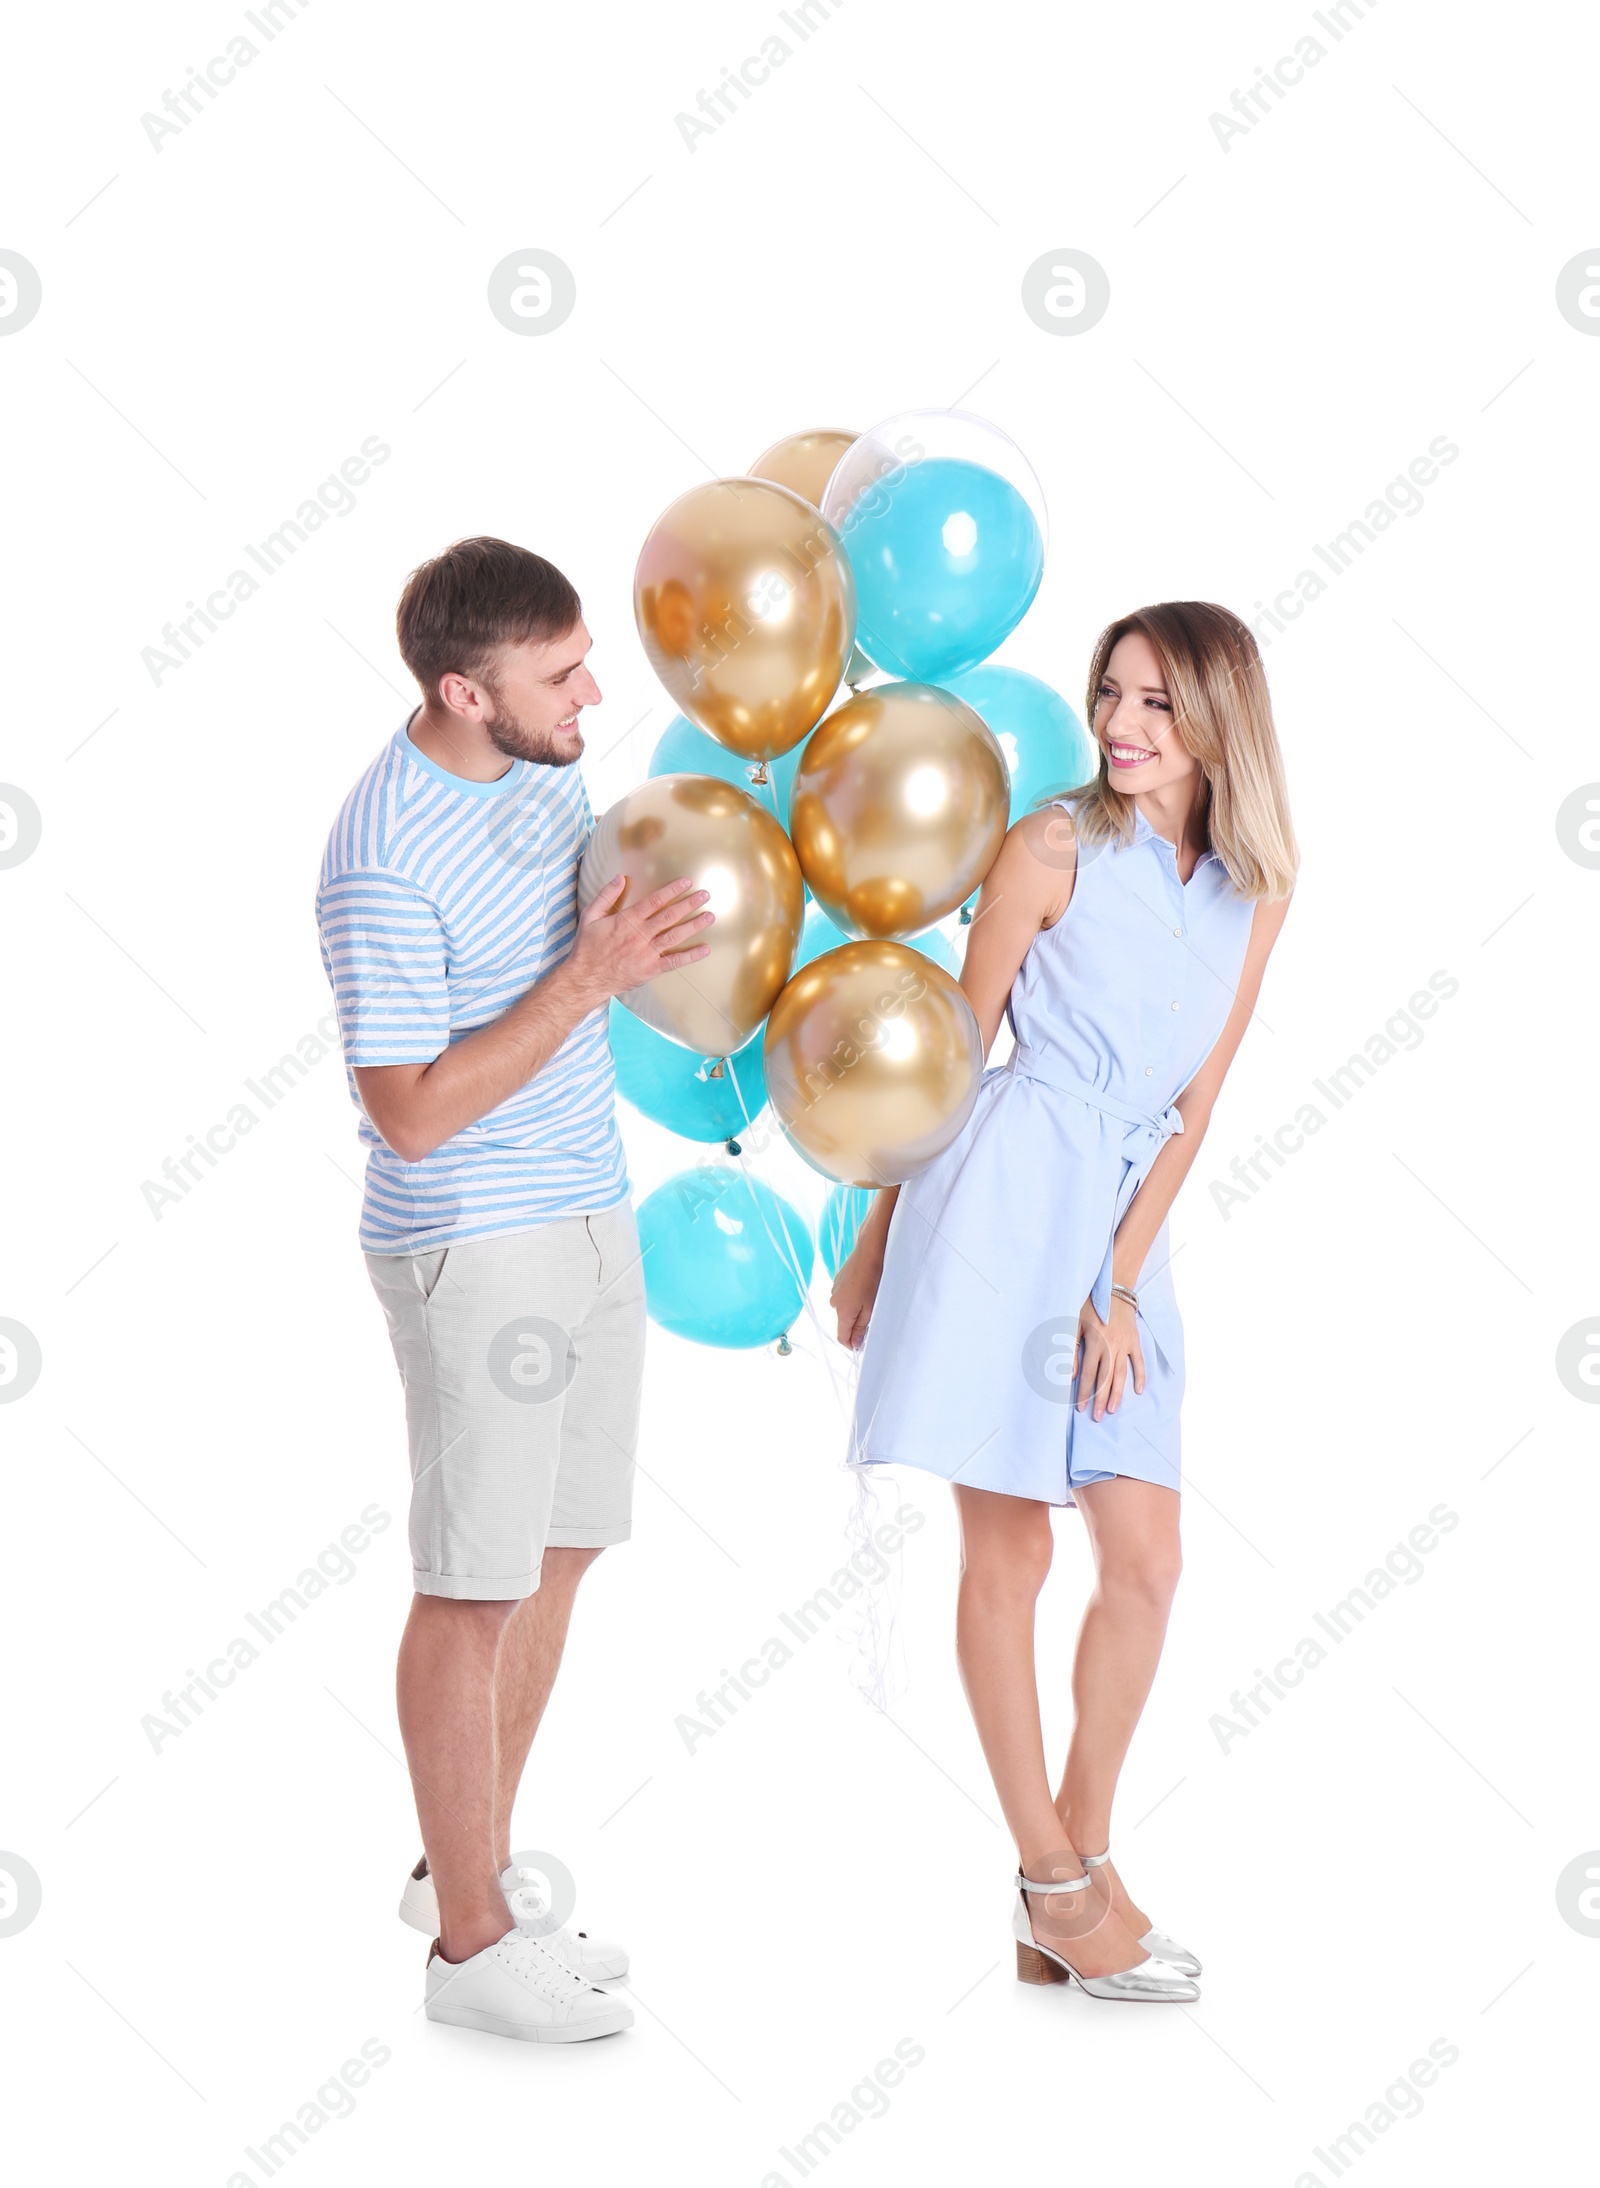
<point x="1152" y="1981"/>
<point x="1156" y="1942"/>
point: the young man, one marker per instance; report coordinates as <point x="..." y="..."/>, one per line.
<point x="497" y="1227"/>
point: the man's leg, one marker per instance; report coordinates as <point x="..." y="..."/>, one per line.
<point x="592" y="1500"/>
<point x="530" y="1645"/>
<point x="485" y="1456"/>
<point x="445" y="1689"/>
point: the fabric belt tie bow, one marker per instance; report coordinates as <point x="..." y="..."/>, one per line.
<point x="1147" y="1132"/>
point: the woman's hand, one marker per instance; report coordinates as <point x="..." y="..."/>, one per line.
<point x="855" y="1288"/>
<point x="1109" y="1348"/>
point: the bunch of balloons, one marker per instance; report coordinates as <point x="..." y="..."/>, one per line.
<point x="822" y="624"/>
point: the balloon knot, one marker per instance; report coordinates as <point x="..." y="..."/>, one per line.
<point x="966" y="916"/>
<point x="784" y="1346"/>
<point x="717" y="1071"/>
<point x="758" y="773"/>
<point x="734" y="1148"/>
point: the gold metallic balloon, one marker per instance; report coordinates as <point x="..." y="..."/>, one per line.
<point x="873" y="1059"/>
<point x="730" y="844"/>
<point x="747" y="609"/>
<point x="804" y="462"/>
<point x="900" y="805"/>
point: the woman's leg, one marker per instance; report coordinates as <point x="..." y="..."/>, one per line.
<point x="1133" y="1532"/>
<point x="1005" y="1555"/>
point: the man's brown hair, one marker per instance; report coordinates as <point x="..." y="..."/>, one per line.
<point x="479" y="595"/>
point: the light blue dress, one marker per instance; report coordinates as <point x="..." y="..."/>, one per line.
<point x="967" y="1369"/>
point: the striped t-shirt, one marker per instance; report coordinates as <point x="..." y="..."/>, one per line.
<point x="441" y="902"/>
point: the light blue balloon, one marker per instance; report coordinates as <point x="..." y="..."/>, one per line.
<point x="947" y="557"/>
<point x="673" y="1086"/>
<point x="782" y="771"/>
<point x="1047" y="748"/>
<point x="843" y="1214"/>
<point x="682" y="749"/>
<point x="726" y="1260"/>
<point x="819" y="934"/>
<point x="937" y="945"/>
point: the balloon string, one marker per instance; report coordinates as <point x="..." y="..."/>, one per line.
<point x="876" y="1669"/>
<point x="787" y="1248"/>
<point x="877" y="1662"/>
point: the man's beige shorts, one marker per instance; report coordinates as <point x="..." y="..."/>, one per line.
<point x="521" y="1358"/>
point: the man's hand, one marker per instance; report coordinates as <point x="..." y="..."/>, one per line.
<point x="417" y="1107"/>
<point x="621" y="946"/>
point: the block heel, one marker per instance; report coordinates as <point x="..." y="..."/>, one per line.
<point x="1033" y="1967"/>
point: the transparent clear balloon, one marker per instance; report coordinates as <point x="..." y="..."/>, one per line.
<point x="914" y="436"/>
<point x="944" y="524"/>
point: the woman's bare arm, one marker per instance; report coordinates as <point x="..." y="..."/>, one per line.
<point x="1150" y="1206"/>
<point x="1028" y="887"/>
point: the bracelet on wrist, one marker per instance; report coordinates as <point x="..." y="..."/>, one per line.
<point x="1124" y="1291"/>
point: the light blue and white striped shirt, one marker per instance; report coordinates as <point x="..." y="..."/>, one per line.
<point x="441" y="902"/>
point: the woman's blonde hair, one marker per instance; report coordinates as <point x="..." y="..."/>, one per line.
<point x="1211" y="667"/>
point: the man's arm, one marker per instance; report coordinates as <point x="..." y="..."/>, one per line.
<point x="417" y="1107"/>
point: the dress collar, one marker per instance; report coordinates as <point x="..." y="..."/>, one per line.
<point x="1144" y="833"/>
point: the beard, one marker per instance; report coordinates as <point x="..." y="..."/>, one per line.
<point x="518" y="742"/>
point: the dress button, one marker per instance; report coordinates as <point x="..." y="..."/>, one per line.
<point x="1174" y="1006"/>
<point x="1178" y="931"/>
<point x="1149" y="1071"/>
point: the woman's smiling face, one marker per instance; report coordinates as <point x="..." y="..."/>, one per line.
<point x="1133" y="722"/>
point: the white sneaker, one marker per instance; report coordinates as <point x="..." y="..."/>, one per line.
<point x="596" y="1960"/>
<point x="516" y="1988"/>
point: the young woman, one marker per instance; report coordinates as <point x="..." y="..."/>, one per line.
<point x="1021" y="1335"/>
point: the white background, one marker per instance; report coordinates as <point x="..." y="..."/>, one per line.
<point x="1374" y="1867"/>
